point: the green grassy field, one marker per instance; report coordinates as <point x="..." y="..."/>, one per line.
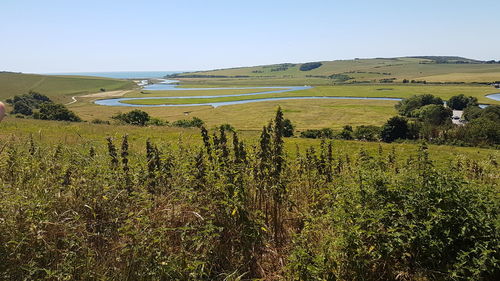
<point x="370" y="70"/>
<point x="146" y="93"/>
<point x="58" y="88"/>
<point x="86" y="135"/>
<point x="304" y="113"/>
<point x="392" y="91"/>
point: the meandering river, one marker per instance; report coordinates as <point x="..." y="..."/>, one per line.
<point x="168" y="85"/>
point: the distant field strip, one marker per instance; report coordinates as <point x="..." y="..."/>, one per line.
<point x="216" y="102"/>
<point x="236" y="96"/>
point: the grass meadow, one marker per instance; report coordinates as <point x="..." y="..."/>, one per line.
<point x="58" y="88"/>
<point x="84" y="135"/>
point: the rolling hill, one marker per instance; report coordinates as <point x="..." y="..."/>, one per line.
<point x="59" y="88"/>
<point x="379" y="70"/>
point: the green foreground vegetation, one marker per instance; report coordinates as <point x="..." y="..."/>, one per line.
<point x="180" y="204"/>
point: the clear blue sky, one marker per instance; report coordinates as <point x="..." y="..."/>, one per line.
<point x="107" y="35"/>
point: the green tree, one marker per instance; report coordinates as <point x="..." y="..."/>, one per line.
<point x="491" y="112"/>
<point x="434" y="114"/>
<point x="288" y="128"/>
<point x="471" y="112"/>
<point x="395" y="128"/>
<point x="460" y="102"/>
<point x="406" y="107"/>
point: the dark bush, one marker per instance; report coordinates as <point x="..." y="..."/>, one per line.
<point x="368" y="133"/>
<point x="134" y="117"/>
<point x="461" y="101"/>
<point x="288" y="128"/>
<point x="346" y="133"/>
<point x="20" y="107"/>
<point x="395" y="128"/>
<point x="326" y="133"/>
<point x="340" y="77"/>
<point x="100" y="121"/>
<point x="310" y="66"/>
<point x="183" y="123"/>
<point x="491" y="112"/>
<point x="53" y="111"/>
<point x="25" y="104"/>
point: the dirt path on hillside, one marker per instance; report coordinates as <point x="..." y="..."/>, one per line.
<point x="109" y="94"/>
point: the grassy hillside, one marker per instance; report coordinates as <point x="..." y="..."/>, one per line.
<point x="432" y="69"/>
<point x="59" y="88"/>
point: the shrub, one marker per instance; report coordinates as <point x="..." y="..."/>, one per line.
<point x="183" y="123"/>
<point x="53" y="111"/>
<point x="326" y="133"/>
<point x="156" y="122"/>
<point x="367" y="133"/>
<point x="340" y="77"/>
<point x="419" y="225"/>
<point x="99" y="121"/>
<point x="482" y="131"/>
<point x="346" y="133"/>
<point x="395" y="128"/>
<point x="134" y="117"/>
<point x="227" y="127"/>
<point x="25" y="104"/>
<point x="20" y="107"/>
<point x="310" y="66"/>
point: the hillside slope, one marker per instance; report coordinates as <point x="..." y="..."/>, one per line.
<point x="379" y="70"/>
<point x="59" y="88"/>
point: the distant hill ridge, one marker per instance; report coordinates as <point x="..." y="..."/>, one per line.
<point x="446" y="69"/>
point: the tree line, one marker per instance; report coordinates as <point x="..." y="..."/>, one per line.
<point x="426" y="117"/>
